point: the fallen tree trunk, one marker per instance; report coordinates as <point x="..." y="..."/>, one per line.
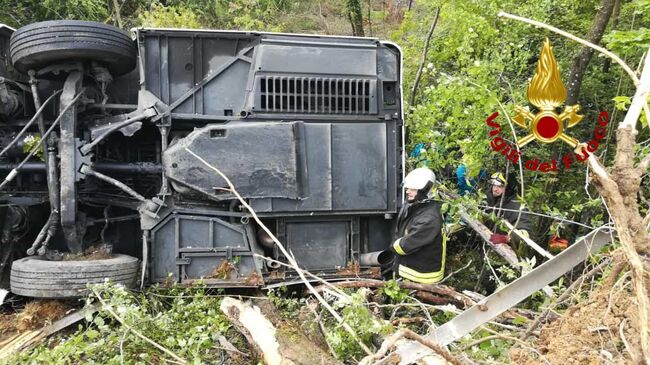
<point x="276" y="343"/>
<point x="484" y="232"/>
<point x="504" y="251"/>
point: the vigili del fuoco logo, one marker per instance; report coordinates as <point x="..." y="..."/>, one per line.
<point x="547" y="93"/>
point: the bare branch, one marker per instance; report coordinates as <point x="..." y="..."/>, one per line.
<point x="643" y="105"/>
<point x="596" y="167"/>
<point x="600" y="49"/>
<point x="424" y="58"/>
<point x="639" y="101"/>
<point x="407" y="333"/>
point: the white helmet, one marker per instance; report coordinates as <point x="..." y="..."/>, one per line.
<point x="420" y="179"/>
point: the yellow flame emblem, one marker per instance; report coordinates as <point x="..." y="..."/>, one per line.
<point x="547" y="92"/>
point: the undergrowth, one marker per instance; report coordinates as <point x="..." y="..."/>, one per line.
<point x="187" y="321"/>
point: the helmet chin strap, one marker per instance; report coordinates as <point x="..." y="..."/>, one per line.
<point x="421" y="195"/>
<point x="424" y="192"/>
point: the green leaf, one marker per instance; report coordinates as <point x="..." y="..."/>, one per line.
<point x="621" y="102"/>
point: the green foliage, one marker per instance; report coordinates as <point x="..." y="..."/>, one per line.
<point x="633" y="36"/>
<point x="479" y="64"/>
<point x="187" y="321"/>
<point x="31" y="142"/>
<point x="19" y="13"/>
<point x="160" y="16"/>
<point x="78" y="9"/>
<point x="492" y="350"/>
<point x="287" y="305"/>
<point x="394" y="292"/>
<point x="366" y="326"/>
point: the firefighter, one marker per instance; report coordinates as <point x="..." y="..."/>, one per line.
<point x="502" y="200"/>
<point x="419" y="243"/>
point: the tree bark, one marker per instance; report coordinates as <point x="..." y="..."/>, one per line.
<point x="416" y="83"/>
<point x="581" y="61"/>
<point x="370" y="17"/>
<point x="356" y="17"/>
<point x="615" y="18"/>
<point x="118" y="17"/>
<point x="277" y="342"/>
<point x="619" y="190"/>
<point x="504" y="251"/>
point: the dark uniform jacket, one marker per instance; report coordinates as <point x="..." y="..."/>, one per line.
<point x="419" y="243"/>
<point x="510" y="212"/>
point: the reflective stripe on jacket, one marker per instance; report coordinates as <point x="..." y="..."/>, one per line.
<point x="419" y="243"/>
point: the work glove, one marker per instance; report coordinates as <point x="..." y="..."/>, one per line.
<point x="497" y="238"/>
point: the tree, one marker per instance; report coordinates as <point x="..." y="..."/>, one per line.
<point x="581" y="61"/>
<point x="355" y="15"/>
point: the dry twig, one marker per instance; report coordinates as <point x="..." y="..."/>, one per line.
<point x="408" y="334"/>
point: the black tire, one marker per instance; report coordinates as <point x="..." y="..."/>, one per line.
<point x="35" y="276"/>
<point x="37" y="45"/>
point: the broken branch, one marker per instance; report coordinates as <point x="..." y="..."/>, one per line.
<point x="504" y="251"/>
<point x="434" y="289"/>
<point x="553" y="29"/>
<point x="257" y="329"/>
<point x="528" y="241"/>
<point x="391" y="341"/>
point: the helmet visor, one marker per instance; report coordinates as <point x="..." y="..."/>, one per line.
<point x="496" y="182"/>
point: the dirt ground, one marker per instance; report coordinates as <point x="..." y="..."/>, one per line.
<point x="598" y="331"/>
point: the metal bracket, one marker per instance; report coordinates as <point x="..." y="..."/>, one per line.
<point x="183" y="260"/>
<point x="69" y="168"/>
<point x="511" y="294"/>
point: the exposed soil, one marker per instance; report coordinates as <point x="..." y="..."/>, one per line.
<point x="590" y="332"/>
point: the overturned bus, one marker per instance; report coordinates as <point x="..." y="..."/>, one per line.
<point x="109" y="144"/>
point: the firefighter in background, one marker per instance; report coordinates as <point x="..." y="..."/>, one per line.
<point x="419" y="241"/>
<point x="502" y="200"/>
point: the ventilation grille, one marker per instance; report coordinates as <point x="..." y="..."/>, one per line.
<point x="315" y="95"/>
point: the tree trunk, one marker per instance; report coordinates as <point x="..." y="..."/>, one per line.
<point x="619" y="190"/>
<point x="581" y="61"/>
<point x="356" y="17"/>
<point x="615" y="18"/>
<point x="277" y="342"/>
<point x="416" y="83"/>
